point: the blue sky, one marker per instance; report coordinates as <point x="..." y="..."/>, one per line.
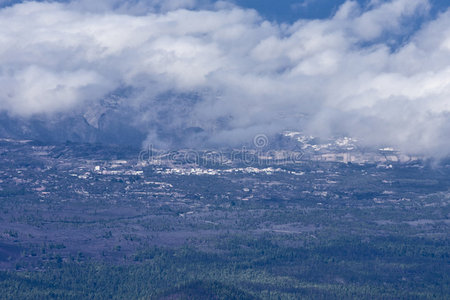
<point x="292" y="10"/>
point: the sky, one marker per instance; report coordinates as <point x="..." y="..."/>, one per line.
<point x="292" y="10"/>
<point x="375" y="70"/>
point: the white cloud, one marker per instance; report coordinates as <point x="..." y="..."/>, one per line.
<point x="249" y="72"/>
<point x="386" y="16"/>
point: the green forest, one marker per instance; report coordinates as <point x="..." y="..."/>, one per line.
<point x="250" y="268"/>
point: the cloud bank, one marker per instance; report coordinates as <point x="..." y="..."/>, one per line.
<point x="226" y="70"/>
